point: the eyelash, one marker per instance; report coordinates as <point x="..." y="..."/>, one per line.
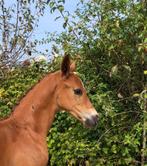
<point x="78" y="92"/>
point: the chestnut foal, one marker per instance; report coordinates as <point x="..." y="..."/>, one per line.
<point x="23" y="134"/>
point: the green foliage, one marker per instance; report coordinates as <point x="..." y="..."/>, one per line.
<point x="110" y="38"/>
<point x="19" y="80"/>
<point x="115" y="141"/>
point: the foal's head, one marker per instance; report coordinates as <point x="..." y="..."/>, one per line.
<point x="71" y="95"/>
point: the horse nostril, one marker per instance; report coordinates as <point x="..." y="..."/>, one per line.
<point x="95" y="118"/>
<point x="91" y="122"/>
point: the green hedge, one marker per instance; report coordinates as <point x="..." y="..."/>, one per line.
<point x="115" y="141"/>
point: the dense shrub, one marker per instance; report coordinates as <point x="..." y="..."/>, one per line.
<point x="110" y="38"/>
<point x="115" y="141"/>
<point x="18" y="81"/>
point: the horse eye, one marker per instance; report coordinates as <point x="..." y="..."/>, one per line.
<point x="78" y="92"/>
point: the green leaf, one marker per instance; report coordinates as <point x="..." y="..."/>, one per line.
<point x="64" y="25"/>
<point x="51" y="4"/>
<point x="114" y="70"/>
<point x="127" y="68"/>
<point x="60" y="8"/>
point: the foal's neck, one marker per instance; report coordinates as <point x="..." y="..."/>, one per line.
<point x="37" y="109"/>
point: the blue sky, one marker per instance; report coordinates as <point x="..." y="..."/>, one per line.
<point x="47" y="23"/>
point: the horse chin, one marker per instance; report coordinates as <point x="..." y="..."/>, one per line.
<point x="83" y="121"/>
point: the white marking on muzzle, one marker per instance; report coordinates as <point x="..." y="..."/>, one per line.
<point x="88" y="114"/>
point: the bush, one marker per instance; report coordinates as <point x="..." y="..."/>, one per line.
<point x="115" y="141"/>
<point x="111" y="64"/>
<point x="110" y="38"/>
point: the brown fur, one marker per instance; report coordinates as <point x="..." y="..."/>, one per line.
<point x="23" y="134"/>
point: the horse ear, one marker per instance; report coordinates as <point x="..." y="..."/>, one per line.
<point x="65" y="66"/>
<point x="73" y="67"/>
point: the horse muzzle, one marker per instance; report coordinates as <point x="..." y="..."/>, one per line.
<point x="91" y="121"/>
<point x="89" y="117"/>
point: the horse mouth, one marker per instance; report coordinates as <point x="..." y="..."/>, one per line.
<point x="77" y="116"/>
<point x="90" y="122"/>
